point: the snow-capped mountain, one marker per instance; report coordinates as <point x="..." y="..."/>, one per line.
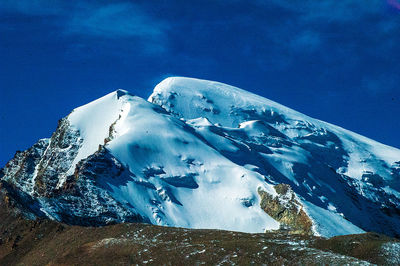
<point x="202" y="154"/>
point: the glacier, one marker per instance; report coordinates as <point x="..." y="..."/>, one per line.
<point x="203" y="154"/>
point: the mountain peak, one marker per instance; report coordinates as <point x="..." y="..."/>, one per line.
<point x="121" y="93"/>
<point x="218" y="102"/>
<point x="203" y="154"/>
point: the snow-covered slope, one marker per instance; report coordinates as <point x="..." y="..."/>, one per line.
<point x="177" y="179"/>
<point x="331" y="168"/>
<point x="202" y="154"/>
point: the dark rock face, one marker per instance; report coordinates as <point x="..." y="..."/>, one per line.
<point x="84" y="200"/>
<point x="19" y="203"/>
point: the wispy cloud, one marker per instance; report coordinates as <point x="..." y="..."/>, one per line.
<point x="105" y="20"/>
<point x="306" y="41"/>
<point x="115" y="21"/>
<point x="375" y="85"/>
<point x="332" y="10"/>
<point x="32" y="7"/>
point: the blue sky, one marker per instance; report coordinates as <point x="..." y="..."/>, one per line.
<point x="338" y="61"/>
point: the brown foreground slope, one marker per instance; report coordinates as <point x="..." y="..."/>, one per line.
<point x="45" y="242"/>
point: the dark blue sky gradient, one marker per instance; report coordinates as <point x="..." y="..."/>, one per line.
<point x="337" y="61"/>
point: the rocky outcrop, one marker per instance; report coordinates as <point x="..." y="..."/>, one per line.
<point x="38" y="170"/>
<point x="58" y="158"/>
<point x="20" y="170"/>
<point x="286" y="209"/>
<point x="32" y="179"/>
<point x="84" y="199"/>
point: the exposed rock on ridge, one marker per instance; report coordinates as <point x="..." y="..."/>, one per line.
<point x="286" y="209"/>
